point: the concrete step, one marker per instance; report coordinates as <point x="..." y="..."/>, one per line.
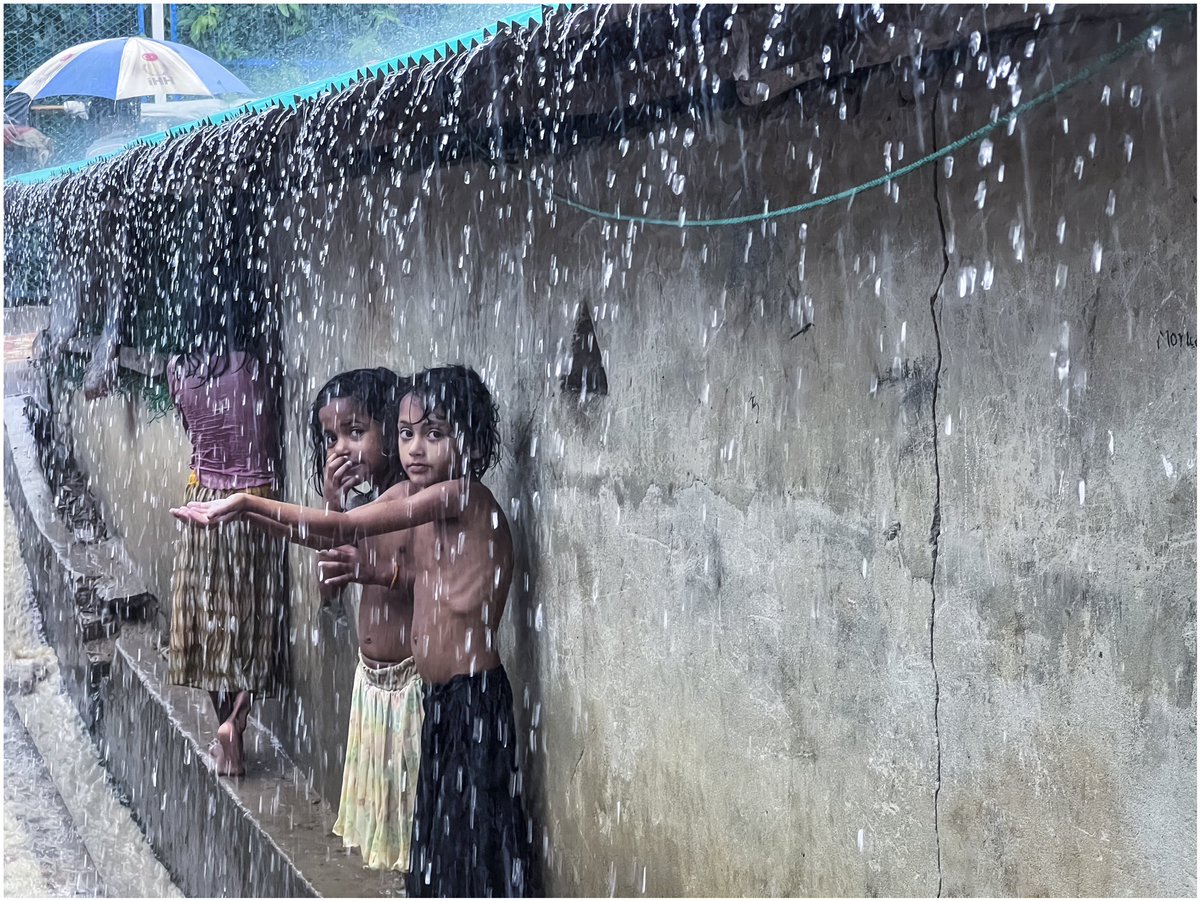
<point x="266" y="834"/>
<point x="81" y="587"/>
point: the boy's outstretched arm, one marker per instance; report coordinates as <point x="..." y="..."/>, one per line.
<point x="296" y="536"/>
<point x="394" y="510"/>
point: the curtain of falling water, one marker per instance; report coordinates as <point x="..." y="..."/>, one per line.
<point x="76" y="839"/>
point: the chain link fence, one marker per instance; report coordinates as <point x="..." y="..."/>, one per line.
<point x="270" y="46"/>
<point x="34" y="32"/>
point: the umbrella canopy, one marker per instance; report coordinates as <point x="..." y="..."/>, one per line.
<point x="121" y="68"/>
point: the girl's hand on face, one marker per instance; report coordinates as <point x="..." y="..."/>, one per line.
<point x="343" y="565"/>
<point x="340" y="478"/>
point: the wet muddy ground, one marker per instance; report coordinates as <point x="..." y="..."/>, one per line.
<point x="44" y="856"/>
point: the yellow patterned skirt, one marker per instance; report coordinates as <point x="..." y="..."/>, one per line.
<point x="383" y="753"/>
<point x="227" y="604"/>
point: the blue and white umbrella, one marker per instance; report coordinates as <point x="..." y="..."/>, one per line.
<point x="121" y="68"/>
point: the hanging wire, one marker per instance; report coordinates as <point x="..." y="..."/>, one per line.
<point x="1099" y="65"/>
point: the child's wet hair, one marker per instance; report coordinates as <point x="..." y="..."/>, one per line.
<point x="378" y="391"/>
<point x="459" y="394"/>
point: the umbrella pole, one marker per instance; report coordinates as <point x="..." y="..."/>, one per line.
<point x="157" y="23"/>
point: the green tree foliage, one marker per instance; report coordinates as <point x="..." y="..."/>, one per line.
<point x="231" y="32"/>
<point x="273" y="47"/>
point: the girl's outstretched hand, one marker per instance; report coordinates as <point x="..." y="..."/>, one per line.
<point x="208" y="514"/>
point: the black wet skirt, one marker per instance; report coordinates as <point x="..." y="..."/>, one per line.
<point x="470" y="836"/>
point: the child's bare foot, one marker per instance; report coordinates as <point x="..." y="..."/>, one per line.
<point x="220" y="763"/>
<point x="226" y="751"/>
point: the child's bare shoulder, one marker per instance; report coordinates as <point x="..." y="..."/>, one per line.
<point x="479" y="493"/>
<point x="484" y="504"/>
<point x="397" y="491"/>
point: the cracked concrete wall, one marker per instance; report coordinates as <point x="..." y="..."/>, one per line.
<point x="728" y="612"/>
<point x="741" y="665"/>
<point x="1066" y="584"/>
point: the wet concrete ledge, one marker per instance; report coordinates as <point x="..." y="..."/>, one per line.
<point x="264" y="835"/>
<point x="62" y="569"/>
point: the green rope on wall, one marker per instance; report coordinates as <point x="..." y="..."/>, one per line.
<point x="1099" y="65"/>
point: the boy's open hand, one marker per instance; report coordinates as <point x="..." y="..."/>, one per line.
<point x="342" y="475"/>
<point x="342" y="565"/>
<point x="208" y="514"/>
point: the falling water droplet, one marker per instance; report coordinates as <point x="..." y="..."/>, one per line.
<point x="985" y="152"/>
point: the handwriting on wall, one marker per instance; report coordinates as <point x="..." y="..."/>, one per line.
<point x="1183" y="339"/>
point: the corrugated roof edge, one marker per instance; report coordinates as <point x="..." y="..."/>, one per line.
<point x="290" y="98"/>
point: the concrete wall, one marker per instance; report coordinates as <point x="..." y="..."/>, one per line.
<point x="138" y="470"/>
<point x="1066" y="587"/>
<point x="899" y="603"/>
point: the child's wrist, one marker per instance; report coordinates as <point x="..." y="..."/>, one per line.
<point x="331" y="495"/>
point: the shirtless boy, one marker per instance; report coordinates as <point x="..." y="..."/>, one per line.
<point x="470" y="835"/>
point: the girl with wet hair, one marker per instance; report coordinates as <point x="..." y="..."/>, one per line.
<point x="460" y="394"/>
<point x="366" y="396"/>
<point x="222" y="326"/>
<point x="227" y="599"/>
<point x="352" y="427"/>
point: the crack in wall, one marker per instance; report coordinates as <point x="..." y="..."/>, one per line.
<point x="582" y="751"/>
<point x="935" y="528"/>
